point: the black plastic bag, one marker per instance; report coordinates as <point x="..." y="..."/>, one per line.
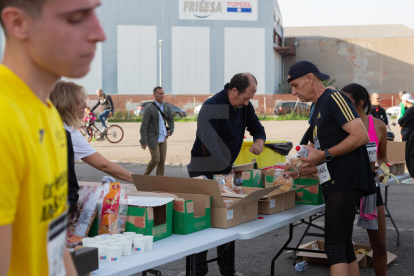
<point x="282" y="148"/>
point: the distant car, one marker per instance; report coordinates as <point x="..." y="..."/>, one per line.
<point x="287" y="107"/>
<point x="176" y="111"/>
<point x="393" y="111"/>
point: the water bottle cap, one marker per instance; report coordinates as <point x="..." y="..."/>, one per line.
<point x="297" y="148"/>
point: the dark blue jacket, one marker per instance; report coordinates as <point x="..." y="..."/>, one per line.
<point x="220" y="134"/>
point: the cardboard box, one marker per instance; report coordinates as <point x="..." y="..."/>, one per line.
<point x="243" y="210"/>
<point x="251" y="175"/>
<point x="396" y="157"/>
<point x="364" y="260"/>
<point x="311" y="192"/>
<point x="191" y="213"/>
<point x="269" y="175"/>
<point x="150" y="214"/>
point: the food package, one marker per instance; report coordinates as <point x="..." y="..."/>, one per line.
<point x="295" y="162"/>
<point x="88" y="213"/>
<point x="110" y="209"/>
<point x="123" y="210"/>
<point x="276" y="167"/>
<point x="228" y="202"/>
<point x="238" y="178"/>
<point x="287" y="183"/>
<point x="200" y="177"/>
<point x="226" y="184"/>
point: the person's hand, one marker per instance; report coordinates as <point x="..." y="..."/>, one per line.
<point x="110" y="114"/>
<point x="169" y="133"/>
<point x="293" y="174"/>
<point x="314" y="158"/>
<point x="288" y="167"/>
<point x="257" y="147"/>
<point x="144" y="147"/>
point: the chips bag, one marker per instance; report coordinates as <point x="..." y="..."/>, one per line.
<point x="110" y="209"/>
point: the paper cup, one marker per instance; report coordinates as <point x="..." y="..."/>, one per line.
<point x="129" y="233"/>
<point x="148" y="242"/>
<point x="116" y="235"/>
<point x="110" y="240"/>
<point x="139" y="244"/>
<point x="126" y="247"/>
<point x="102" y="251"/>
<point x="123" y="238"/>
<point x="136" y="236"/>
<point x="112" y="254"/>
<point x="86" y="241"/>
<point x="117" y="244"/>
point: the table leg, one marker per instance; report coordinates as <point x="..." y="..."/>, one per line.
<point x="187" y="265"/>
<point x="301" y="239"/>
<point x="232" y="249"/>
<point x="390" y="216"/>
<point x="272" y="269"/>
<point x="191" y="265"/>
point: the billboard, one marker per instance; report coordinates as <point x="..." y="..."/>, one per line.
<point x="218" y="10"/>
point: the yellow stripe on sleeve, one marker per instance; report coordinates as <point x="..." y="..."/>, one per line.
<point x="340" y="106"/>
<point x="346" y="106"/>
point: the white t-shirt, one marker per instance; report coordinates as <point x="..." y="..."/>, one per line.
<point x="81" y="147"/>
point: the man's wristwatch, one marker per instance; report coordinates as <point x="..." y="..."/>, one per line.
<point x="328" y="156"/>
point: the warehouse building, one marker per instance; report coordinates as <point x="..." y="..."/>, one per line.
<point x="191" y="48"/>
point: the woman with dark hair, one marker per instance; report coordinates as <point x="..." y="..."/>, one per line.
<point x="377" y="132"/>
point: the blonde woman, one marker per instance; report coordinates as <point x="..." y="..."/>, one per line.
<point x="70" y="100"/>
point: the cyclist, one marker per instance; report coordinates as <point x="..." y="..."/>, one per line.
<point x="107" y="105"/>
<point x="45" y="40"/>
<point x="71" y="108"/>
<point x="89" y="116"/>
<point x="377" y="132"/>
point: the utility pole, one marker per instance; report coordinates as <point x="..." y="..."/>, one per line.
<point x="160" y="68"/>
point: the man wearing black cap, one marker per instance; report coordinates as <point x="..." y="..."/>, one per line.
<point x="338" y="154"/>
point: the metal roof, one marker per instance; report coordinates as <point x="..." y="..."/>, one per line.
<point x="358" y="31"/>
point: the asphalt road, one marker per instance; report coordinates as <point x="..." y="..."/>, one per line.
<point x="253" y="257"/>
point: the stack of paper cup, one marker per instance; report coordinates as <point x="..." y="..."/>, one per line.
<point x="136" y="236"/>
<point x="139" y="244"/>
<point x="102" y="251"/>
<point x="126" y="247"/>
<point x="148" y="242"/>
<point x="122" y="238"/>
<point x="110" y="240"/>
<point x="118" y="245"/>
<point x="116" y="235"/>
<point x="86" y="241"/>
<point x="129" y="234"/>
<point x="112" y="254"/>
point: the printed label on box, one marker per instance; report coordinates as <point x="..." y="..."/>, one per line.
<point x="229" y="214"/>
<point x="313" y="189"/>
<point x="273" y="203"/>
<point x="246" y="175"/>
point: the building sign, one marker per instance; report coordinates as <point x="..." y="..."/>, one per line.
<point x="218" y="10"/>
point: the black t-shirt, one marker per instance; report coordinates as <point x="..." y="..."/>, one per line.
<point x="349" y="171"/>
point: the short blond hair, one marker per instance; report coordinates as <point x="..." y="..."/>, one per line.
<point x="66" y="96"/>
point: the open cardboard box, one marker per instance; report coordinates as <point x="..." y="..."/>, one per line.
<point x="274" y="202"/>
<point x="150" y="216"/>
<point x="396" y="157"/>
<point x="364" y="260"/>
<point x="243" y="210"/>
<point x="250" y="174"/>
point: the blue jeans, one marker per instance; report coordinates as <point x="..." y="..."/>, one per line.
<point x="103" y="116"/>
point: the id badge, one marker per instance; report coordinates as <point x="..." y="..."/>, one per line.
<point x="372" y="151"/>
<point x="56" y="245"/>
<point x="323" y="173"/>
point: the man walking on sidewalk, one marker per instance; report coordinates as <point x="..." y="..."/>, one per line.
<point x="154" y="132"/>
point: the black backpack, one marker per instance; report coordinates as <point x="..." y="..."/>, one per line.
<point x="409" y="155"/>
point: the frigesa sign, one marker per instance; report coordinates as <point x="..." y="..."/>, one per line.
<point x="218" y="10"/>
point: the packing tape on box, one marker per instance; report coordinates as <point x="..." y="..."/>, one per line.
<point x="243" y="217"/>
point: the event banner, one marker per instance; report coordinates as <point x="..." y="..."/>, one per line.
<point x="218" y="10"/>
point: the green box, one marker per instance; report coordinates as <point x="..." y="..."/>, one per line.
<point x="251" y="175"/>
<point x="311" y="194"/>
<point x="155" y="221"/>
<point x="191" y="213"/>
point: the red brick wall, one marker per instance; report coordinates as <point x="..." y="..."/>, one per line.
<point x="182" y="100"/>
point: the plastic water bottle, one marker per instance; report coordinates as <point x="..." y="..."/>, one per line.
<point x="315" y="246"/>
<point x="302" y="151"/>
<point x="301" y="266"/>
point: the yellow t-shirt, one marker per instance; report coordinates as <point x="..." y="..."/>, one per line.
<point x="33" y="179"/>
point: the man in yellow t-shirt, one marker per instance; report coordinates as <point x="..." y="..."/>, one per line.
<point x="45" y="39"/>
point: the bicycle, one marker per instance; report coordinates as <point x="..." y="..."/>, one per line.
<point x="114" y="133"/>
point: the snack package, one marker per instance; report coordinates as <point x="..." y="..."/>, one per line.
<point x="226" y="184"/>
<point x="88" y="214"/>
<point x="200" y="177"/>
<point x="287" y="183"/>
<point x="99" y="204"/>
<point x="294" y="161"/>
<point x="276" y="167"/>
<point x="228" y="202"/>
<point x="238" y="179"/>
<point x="110" y="209"/>
<point x="123" y="210"/>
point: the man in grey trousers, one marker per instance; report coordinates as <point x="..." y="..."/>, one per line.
<point x="154" y="131"/>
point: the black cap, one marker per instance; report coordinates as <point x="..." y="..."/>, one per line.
<point x="302" y="68"/>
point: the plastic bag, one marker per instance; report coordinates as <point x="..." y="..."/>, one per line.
<point x="123" y="211"/>
<point x="287" y="183"/>
<point x="294" y="161"/>
<point x="200" y="177"/>
<point x="110" y="208"/>
<point x="282" y="148"/>
<point x="368" y="217"/>
<point x="88" y="213"/>
<point x="226" y="184"/>
<point x="227" y="203"/>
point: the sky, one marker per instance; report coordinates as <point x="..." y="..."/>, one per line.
<point x="346" y="12"/>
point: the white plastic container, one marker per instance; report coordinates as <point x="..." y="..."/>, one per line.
<point x="112" y="254"/>
<point x="148" y="242"/>
<point x="302" y="151"/>
<point x="118" y="245"/>
<point x="86" y="241"/>
<point x="129" y="234"/>
<point x="139" y="244"/>
<point x="102" y="251"/>
<point x="116" y="235"/>
<point x="126" y="247"/>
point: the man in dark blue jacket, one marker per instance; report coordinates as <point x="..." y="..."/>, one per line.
<point x="221" y="125"/>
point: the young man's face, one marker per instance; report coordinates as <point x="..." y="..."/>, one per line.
<point x="62" y="40"/>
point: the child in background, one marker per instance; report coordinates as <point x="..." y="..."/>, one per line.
<point x="89" y="116"/>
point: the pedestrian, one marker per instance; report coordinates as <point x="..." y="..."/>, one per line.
<point x="402" y="107"/>
<point x="406" y="122"/>
<point x="337" y="153"/>
<point x="221" y="124"/>
<point x="70" y="101"/>
<point x="377" y="132"/>
<point x="154" y="131"/>
<point x="108" y="108"/>
<point x="44" y="40"/>
<point x="376" y="110"/>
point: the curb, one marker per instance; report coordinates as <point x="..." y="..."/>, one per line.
<point x="141" y="163"/>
